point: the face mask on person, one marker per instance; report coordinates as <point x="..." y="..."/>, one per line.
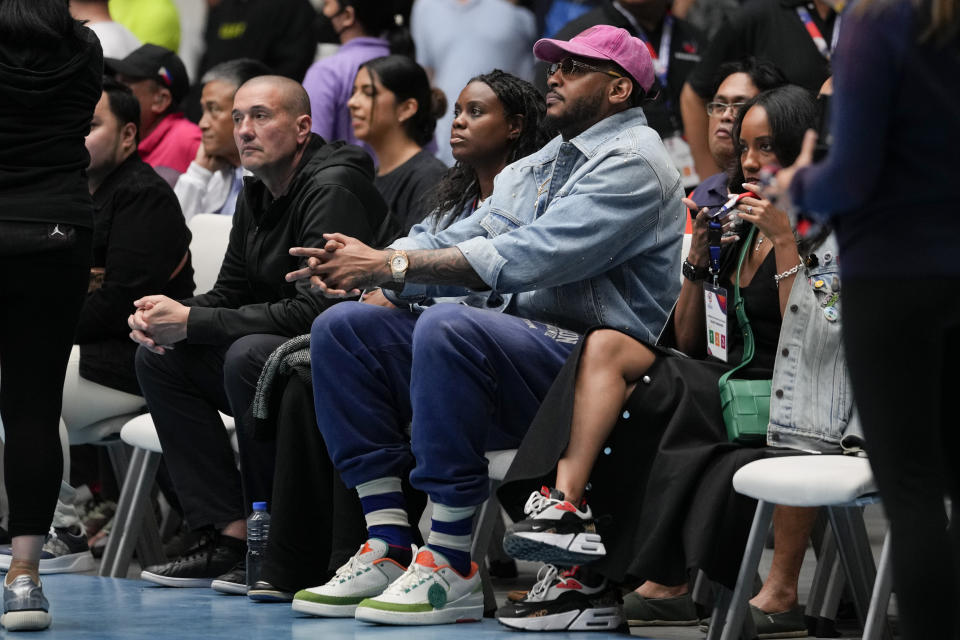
<point x="326" y="32"/>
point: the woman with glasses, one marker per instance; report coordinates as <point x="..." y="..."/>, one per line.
<point x="736" y="83"/>
<point x="637" y="428"/>
<point x="50" y="73"/>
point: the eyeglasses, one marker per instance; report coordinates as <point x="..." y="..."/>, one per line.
<point x="717" y="109"/>
<point x="569" y="67"/>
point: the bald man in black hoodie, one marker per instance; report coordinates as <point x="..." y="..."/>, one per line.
<point x="302" y="188"/>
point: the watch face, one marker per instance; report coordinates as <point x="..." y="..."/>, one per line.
<point x="398" y="263"/>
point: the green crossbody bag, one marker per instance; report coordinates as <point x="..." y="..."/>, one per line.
<point x="745" y="403"/>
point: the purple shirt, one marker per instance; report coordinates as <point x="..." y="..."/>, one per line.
<point x="329" y="83"/>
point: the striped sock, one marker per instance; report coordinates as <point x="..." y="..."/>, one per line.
<point x="450" y="534"/>
<point x="385" y="512"/>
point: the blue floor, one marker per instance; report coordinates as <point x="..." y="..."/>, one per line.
<point x="92" y="608"/>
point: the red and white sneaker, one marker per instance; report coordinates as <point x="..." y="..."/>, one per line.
<point x="565" y="601"/>
<point x="555" y="532"/>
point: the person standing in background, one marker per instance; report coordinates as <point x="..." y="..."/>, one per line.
<point x="459" y="39"/>
<point x="50" y="74"/>
<point x="365" y="29"/>
<point x="116" y="40"/>
<point x="887" y="186"/>
<point x="152" y="21"/>
<point x="278" y="33"/>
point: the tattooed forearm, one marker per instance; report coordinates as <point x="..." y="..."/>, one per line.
<point x="443" y="266"/>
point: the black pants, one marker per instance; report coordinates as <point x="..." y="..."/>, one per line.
<point x="316" y="521"/>
<point x="903" y="344"/>
<point x="184" y="389"/>
<point x="40" y="299"/>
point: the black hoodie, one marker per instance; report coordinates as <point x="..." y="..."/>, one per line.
<point x="47" y="98"/>
<point x="331" y="191"/>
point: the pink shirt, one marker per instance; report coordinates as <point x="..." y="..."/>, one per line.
<point x="173" y="143"/>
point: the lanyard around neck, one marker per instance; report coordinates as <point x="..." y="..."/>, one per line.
<point x="815" y="34"/>
<point x="661" y="59"/>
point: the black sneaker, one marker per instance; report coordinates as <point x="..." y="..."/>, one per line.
<point x="213" y="556"/>
<point x="64" y="551"/>
<point x="265" y="592"/>
<point x="567" y="601"/>
<point x="233" y="582"/>
<point x="556" y="531"/>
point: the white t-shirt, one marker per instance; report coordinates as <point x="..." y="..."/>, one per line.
<point x="117" y="41"/>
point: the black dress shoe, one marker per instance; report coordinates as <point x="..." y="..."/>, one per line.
<point x="213" y="556"/>
<point x="265" y="592"/>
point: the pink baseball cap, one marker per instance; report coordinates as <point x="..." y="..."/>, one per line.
<point x="603" y="42"/>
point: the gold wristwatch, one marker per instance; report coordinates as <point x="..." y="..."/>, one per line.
<point x="398" y="263"/>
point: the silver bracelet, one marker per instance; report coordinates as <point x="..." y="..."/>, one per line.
<point x="786" y="274"/>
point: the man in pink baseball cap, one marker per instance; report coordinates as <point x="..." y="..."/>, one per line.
<point x="585" y="231"/>
<point x="599" y="72"/>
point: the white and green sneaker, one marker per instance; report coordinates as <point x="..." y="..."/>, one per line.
<point x="364" y="575"/>
<point x="430" y="592"/>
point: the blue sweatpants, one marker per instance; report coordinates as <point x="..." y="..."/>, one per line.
<point x="464" y="380"/>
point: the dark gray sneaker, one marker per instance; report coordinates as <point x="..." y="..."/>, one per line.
<point x="24" y="606"/>
<point x="64" y="551"/>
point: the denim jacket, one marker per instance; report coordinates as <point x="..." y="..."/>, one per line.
<point x="583" y="232"/>
<point x="811" y="401"/>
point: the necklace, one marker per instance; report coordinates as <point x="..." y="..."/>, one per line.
<point x="760" y="239"/>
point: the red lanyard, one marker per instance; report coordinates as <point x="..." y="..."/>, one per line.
<point x="815" y="34"/>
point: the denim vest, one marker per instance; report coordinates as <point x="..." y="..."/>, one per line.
<point x="811" y="401"/>
<point x="584" y="232"/>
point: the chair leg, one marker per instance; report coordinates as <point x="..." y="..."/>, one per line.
<point x="739" y="601"/>
<point x="854" y="547"/>
<point x="880" y="600"/>
<point x="485" y="523"/>
<point x="829" y="581"/>
<point x="133" y="505"/>
<point x="704" y="591"/>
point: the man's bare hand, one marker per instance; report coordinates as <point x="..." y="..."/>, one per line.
<point x="376" y="298"/>
<point x="208" y="162"/>
<point x="343" y="267"/>
<point x="158" y="322"/>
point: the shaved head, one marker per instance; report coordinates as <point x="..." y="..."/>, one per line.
<point x="271" y="127"/>
<point x="291" y="96"/>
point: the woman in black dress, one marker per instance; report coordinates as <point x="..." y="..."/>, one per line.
<point x="50" y="74"/>
<point x="641" y="424"/>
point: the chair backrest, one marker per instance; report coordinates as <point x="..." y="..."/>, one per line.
<point x="211" y="234"/>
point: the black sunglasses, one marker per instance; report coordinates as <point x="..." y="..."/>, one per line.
<point x="569" y="67"/>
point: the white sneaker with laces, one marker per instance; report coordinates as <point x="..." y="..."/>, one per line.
<point x="364" y="575"/>
<point x="430" y="592"/>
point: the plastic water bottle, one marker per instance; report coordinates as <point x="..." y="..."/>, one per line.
<point x="258" y="528"/>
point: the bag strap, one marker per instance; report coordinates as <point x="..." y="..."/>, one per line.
<point x="748" y="346"/>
